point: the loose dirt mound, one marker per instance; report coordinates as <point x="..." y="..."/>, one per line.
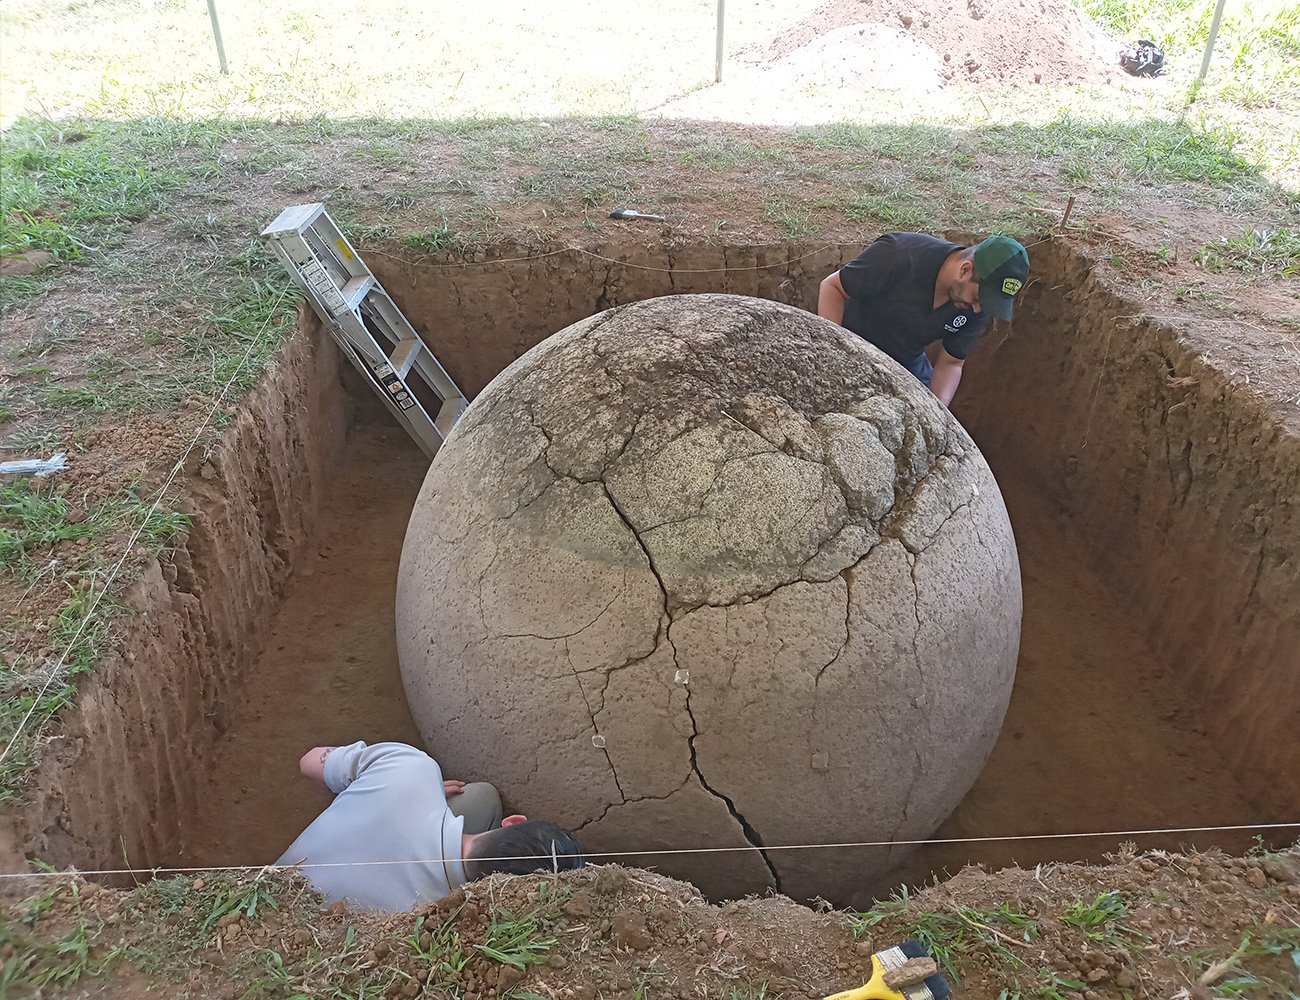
<point x="1155" y="925"/>
<point x="923" y="44"/>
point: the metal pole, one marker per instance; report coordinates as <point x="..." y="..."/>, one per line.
<point x="221" y="49"/>
<point x="1209" y="44"/>
<point x="722" y="6"/>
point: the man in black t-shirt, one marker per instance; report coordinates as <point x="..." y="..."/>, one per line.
<point x="907" y="290"/>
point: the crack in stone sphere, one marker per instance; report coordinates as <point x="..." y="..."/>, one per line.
<point x="709" y="571"/>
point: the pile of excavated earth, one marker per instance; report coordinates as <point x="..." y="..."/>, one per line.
<point x="926" y="44"/>
<point x="1142" y="926"/>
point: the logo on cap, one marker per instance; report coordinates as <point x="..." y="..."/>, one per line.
<point x="1011" y="285"/>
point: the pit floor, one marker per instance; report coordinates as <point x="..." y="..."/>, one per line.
<point x="1097" y="737"/>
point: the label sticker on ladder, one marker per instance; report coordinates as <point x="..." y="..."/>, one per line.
<point x="320" y="280"/>
<point x="394" y="386"/>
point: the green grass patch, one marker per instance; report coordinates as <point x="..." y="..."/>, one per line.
<point x="440" y="240"/>
<point x="1262" y="251"/>
<point x="951" y="937"/>
<point x="68" y="201"/>
<point x="963" y="939"/>
<point x="42" y="658"/>
<point x="32" y="518"/>
<point x="1100" y="918"/>
<point x="29" y="519"/>
<point x="521" y="940"/>
<point x="34" y="963"/>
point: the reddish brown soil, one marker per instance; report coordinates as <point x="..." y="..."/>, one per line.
<point x="977" y="41"/>
<point x="624" y="934"/>
<point x="1097" y="736"/>
<point x="327" y="672"/>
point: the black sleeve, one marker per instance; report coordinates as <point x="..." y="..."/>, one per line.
<point x="962" y="343"/>
<point x="872" y="271"/>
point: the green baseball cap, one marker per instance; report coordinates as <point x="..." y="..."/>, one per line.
<point x="1002" y="265"/>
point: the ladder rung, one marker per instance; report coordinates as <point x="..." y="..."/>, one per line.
<point x="382" y="343"/>
<point x="451" y="409"/>
<point x="404" y="356"/>
<point x="355" y="290"/>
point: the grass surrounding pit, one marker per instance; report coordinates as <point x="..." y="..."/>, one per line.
<point x="1008" y="944"/>
<point x="449" y="63"/>
<point x="1262" y="251"/>
<point x="59" y="936"/>
<point x="63" y="554"/>
<point x="35" y="961"/>
<point x="114" y="348"/>
<point x="1050" y="933"/>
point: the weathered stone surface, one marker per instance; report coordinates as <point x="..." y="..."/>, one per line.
<point x="708" y="571"/>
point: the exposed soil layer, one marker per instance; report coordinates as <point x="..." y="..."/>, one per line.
<point x="327" y="670"/>
<point x="1151" y="500"/>
<point x="1180" y="486"/>
<point x="123" y="781"/>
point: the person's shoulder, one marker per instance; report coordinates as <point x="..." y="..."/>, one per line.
<point x="392" y="765"/>
<point x="383" y="756"/>
<point x="883" y="247"/>
<point x="921" y="242"/>
<point x="399" y="751"/>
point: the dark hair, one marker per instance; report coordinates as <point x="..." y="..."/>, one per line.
<point x="530" y="846"/>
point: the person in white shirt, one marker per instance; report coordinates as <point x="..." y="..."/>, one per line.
<point x="398" y="835"/>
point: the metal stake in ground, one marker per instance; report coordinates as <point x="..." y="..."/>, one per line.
<point x="216" y="34"/>
<point x="722" y="6"/>
<point x="1209" y="45"/>
<point x="631" y="213"/>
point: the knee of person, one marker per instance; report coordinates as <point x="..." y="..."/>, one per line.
<point x="480" y="804"/>
<point x="486" y="792"/>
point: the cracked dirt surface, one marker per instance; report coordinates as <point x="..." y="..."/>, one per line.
<point x="700" y="569"/>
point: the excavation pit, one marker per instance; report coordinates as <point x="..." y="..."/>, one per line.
<point x="1159" y="668"/>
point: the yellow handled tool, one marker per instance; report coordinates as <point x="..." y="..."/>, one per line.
<point x="933" y="987"/>
<point x="873" y="989"/>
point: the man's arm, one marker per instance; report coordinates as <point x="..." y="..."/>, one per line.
<point x="947" y="373"/>
<point x="312" y="766"/>
<point x="831" y="299"/>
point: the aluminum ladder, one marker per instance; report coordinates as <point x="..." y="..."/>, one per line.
<point x="366" y="323"/>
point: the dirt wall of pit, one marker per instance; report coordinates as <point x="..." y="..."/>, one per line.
<point x="1182" y="483"/>
<point x="1180" y="480"/>
<point x="121" y="780"/>
<point x="482" y="314"/>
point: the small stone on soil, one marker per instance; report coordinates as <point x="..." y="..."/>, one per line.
<point x="629" y="928"/>
<point x="911" y="972"/>
<point x="580" y="904"/>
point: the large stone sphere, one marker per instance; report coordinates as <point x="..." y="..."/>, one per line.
<point x="708" y="571"/>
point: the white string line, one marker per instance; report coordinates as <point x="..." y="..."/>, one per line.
<point x="180" y="463"/>
<point x="611" y="260"/>
<point x="683" y="850"/>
